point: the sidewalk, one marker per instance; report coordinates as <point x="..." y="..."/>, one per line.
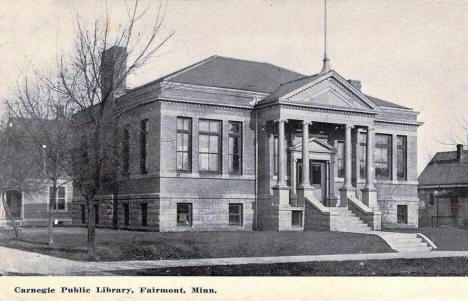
<point x="23" y="262"/>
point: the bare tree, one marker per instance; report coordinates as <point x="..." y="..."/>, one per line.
<point x="41" y="115"/>
<point x="89" y="81"/>
<point x="17" y="167"/>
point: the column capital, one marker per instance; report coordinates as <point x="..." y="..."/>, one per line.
<point x="349" y="126"/>
<point x="304" y="122"/>
<point x="282" y="120"/>
<point x="370" y="128"/>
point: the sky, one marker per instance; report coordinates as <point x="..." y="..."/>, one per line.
<point x="412" y="53"/>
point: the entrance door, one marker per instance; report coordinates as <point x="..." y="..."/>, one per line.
<point x="317" y="177"/>
<point x="13" y="200"/>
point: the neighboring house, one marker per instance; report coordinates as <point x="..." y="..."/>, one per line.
<point x="29" y="205"/>
<point x="443" y="189"/>
<point x="230" y="144"/>
<point x="31" y="208"/>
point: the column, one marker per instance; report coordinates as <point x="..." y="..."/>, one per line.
<point x="369" y="193"/>
<point x="281" y="190"/>
<point x="305" y="154"/>
<point x="370" y="157"/>
<point x="347" y="190"/>
<point x="348" y="159"/>
<point x="332" y="199"/>
<point x="2" y="210"/>
<point x="281" y="154"/>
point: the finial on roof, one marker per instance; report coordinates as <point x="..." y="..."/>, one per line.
<point x="326" y="60"/>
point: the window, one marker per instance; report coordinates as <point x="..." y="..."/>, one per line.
<point x="126" y="150"/>
<point x="184" y="214"/>
<point x="59" y="196"/>
<point x="96" y="214"/>
<point x="316" y="171"/>
<point x="362" y="155"/>
<point x="454" y="211"/>
<point x="402" y="214"/>
<point x="126" y="214"/>
<point x="184" y="144"/>
<point x="144" y="214"/>
<point x="431" y="199"/>
<point x="144" y="127"/>
<point x="209" y="145"/>
<point x="235" y="214"/>
<point x="340" y="154"/>
<point x="383" y="155"/>
<point x="401" y="157"/>
<point x="52" y="195"/>
<point x="235" y="147"/>
<point x="296" y="218"/>
<point x="83" y="214"/>
<point x="275" y="155"/>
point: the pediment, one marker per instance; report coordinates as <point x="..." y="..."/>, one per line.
<point x="316" y="146"/>
<point x="330" y="91"/>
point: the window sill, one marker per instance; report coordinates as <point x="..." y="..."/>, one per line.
<point x="204" y="172"/>
<point x="376" y="181"/>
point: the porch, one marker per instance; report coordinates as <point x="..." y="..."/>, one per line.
<point x="310" y="159"/>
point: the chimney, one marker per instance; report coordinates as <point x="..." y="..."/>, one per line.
<point x="114" y="64"/>
<point x="355" y="83"/>
<point x="460" y="152"/>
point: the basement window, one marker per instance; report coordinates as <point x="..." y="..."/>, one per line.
<point x="184" y="214"/>
<point x="235" y="214"/>
<point x="402" y="214"/>
<point x="296" y="219"/>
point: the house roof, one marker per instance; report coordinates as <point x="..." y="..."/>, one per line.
<point x="287" y="87"/>
<point x="231" y="73"/>
<point x="445" y="169"/>
<point x="223" y="72"/>
<point x="384" y="103"/>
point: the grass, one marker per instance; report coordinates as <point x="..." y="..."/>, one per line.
<point x="446" y="238"/>
<point x="454" y="266"/>
<point x="115" y="245"/>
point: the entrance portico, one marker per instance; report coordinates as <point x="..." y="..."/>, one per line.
<point x="308" y="122"/>
<point x="315" y="150"/>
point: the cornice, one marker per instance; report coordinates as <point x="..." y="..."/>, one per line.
<point x="213" y="90"/>
<point x="317" y="108"/>
<point x="398" y="123"/>
<point x="204" y="104"/>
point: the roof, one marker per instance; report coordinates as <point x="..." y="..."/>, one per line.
<point x="287" y="87"/>
<point x="223" y="72"/>
<point x="231" y="73"/>
<point x="445" y="169"/>
<point x="384" y="103"/>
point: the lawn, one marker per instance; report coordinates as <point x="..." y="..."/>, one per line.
<point x="446" y="238"/>
<point x="115" y="245"/>
<point x="453" y="266"/>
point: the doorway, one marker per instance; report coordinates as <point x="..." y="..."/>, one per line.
<point x="317" y="177"/>
<point x="14" y="202"/>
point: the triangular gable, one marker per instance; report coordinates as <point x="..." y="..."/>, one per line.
<point x="316" y="146"/>
<point x="329" y="90"/>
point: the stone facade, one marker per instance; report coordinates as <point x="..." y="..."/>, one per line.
<point x="282" y="127"/>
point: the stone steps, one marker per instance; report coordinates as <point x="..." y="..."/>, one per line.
<point x="400" y="242"/>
